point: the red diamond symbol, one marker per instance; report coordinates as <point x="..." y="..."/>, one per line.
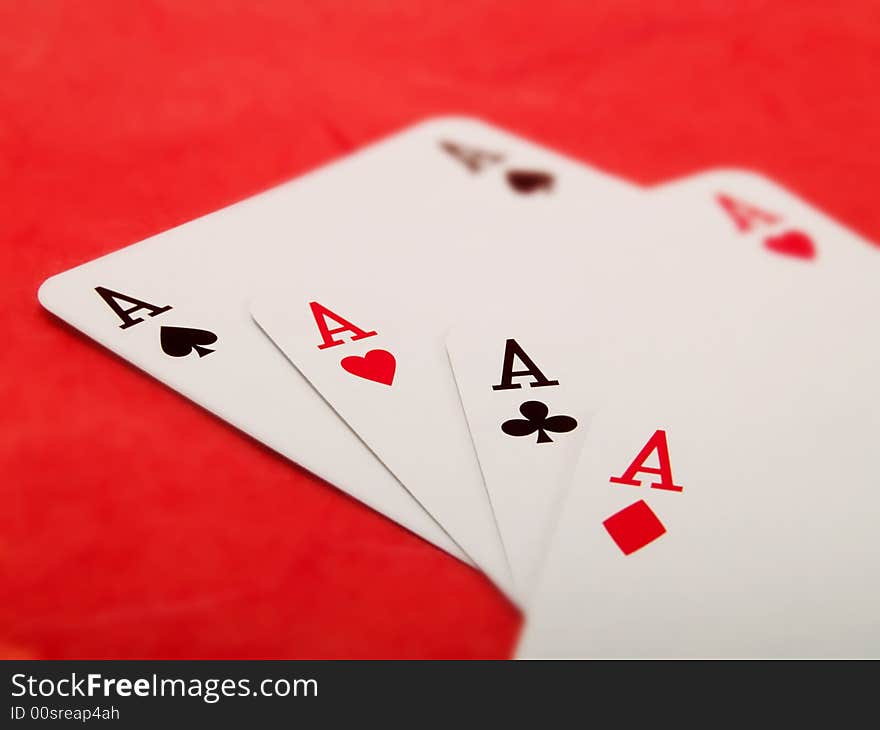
<point x="634" y="527"/>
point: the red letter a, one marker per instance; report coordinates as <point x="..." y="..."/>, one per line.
<point x="743" y="214"/>
<point x="322" y="314"/>
<point x="657" y="443"/>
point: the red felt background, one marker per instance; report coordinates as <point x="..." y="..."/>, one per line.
<point x="121" y="119"/>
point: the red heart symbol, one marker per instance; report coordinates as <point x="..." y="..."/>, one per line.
<point x="376" y="365"/>
<point x="792" y="243"/>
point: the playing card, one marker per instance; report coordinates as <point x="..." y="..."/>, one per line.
<point x="719" y="251"/>
<point x="175" y="304"/>
<point x="522" y="390"/>
<point x="733" y="518"/>
<point x="724" y="503"/>
<point x="369" y="331"/>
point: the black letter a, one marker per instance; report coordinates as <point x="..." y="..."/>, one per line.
<point x="472" y="158"/>
<point x="113" y="298"/>
<point x="512" y="350"/>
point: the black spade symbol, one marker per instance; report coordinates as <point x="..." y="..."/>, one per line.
<point x="530" y="181"/>
<point x="181" y="341"/>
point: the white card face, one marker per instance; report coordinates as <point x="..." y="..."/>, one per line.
<point x="769" y="548"/>
<point x="731" y="241"/>
<point x="395" y="387"/>
<point x="725" y="503"/>
<point x="206" y="270"/>
<point x="522" y="390"/>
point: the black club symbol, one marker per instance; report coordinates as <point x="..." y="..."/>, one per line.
<point x="536" y="419"/>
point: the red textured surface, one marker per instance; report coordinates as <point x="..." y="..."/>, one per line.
<point x="119" y="120"/>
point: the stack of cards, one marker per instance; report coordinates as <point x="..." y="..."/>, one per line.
<point x="650" y="417"/>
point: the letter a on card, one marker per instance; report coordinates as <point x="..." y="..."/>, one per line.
<point x="322" y="314"/>
<point x="657" y="443"/>
<point x="513" y="350"/>
<point x="744" y="215"/>
<point x="126" y="315"/>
